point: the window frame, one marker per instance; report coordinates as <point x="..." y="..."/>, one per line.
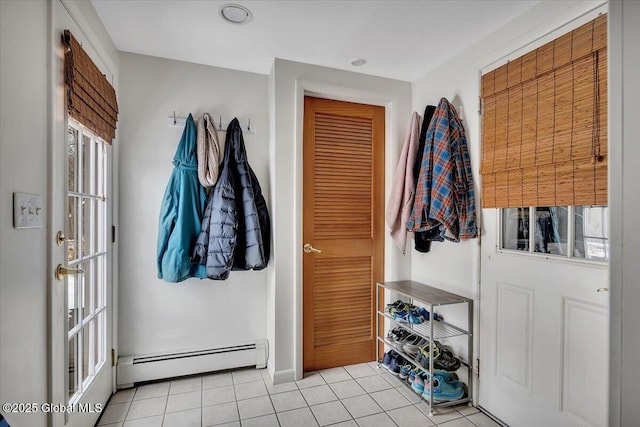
<point x="569" y="257"/>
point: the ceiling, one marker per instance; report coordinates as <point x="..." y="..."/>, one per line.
<point x="399" y="39"/>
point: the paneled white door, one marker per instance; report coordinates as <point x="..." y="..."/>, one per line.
<point x="544" y="317"/>
<point x="81" y="299"/>
<point x="80" y="251"/>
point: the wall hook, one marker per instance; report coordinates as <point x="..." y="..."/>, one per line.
<point x="174" y="118"/>
<point x="249" y="126"/>
<point x="220" y="123"/>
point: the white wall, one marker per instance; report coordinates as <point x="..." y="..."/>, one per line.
<point x="156" y="316"/>
<point x="23" y="167"/>
<point x="624" y="131"/>
<point x="289" y="81"/>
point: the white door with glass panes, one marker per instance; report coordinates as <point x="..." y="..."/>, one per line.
<point x="544" y="316"/>
<point x="86" y="242"/>
<point x="544" y="302"/>
<point x="80" y="253"/>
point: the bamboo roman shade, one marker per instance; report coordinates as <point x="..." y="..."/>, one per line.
<point x="91" y="99"/>
<point x="544" y="127"/>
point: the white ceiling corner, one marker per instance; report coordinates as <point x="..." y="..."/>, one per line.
<point x="400" y="39"/>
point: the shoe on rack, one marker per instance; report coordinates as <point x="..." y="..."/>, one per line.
<point x="412" y="374"/>
<point x="412" y="347"/>
<point x="396" y="364"/>
<point x="444" y="388"/>
<point x="447" y="361"/>
<point x="423" y="354"/>
<point x="405" y="370"/>
<point x="398" y="309"/>
<point x="399" y="336"/>
<point x="393" y="307"/>
<point x="388" y="357"/>
<point x="420" y="382"/>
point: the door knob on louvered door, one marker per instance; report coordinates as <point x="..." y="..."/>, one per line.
<point x="310" y="249"/>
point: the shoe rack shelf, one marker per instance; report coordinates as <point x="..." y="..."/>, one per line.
<point x="430" y="298"/>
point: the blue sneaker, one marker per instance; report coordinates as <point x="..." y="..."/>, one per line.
<point x="419" y="315"/>
<point x="388" y="357"/>
<point x="445" y="389"/>
<point x="405" y="370"/>
<point x="412" y="375"/>
<point x="418" y="382"/>
<point x="396" y="364"/>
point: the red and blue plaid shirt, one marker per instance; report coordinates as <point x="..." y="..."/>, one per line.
<point x="444" y="195"/>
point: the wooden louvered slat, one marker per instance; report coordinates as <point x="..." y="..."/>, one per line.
<point x="343" y="209"/>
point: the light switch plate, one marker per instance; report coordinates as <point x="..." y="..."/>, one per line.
<point x="27" y="210"/>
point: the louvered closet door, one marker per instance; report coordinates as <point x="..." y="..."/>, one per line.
<point x="343" y="192"/>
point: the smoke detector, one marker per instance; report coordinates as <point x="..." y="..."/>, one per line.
<point x="236" y="14"/>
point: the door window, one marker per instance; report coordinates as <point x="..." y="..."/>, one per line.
<point x="575" y="232"/>
<point x="86" y="244"/>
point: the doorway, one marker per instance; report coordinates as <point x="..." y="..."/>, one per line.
<point x="343" y="230"/>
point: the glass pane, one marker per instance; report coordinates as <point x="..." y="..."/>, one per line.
<point x="552" y="228"/>
<point x="87" y="222"/>
<point x="515" y="229"/>
<point x="96" y="342"/>
<point x="99" y="168"/>
<point x="86" y="348"/>
<point x="73" y="366"/>
<point x="592" y="232"/>
<point x="72" y="300"/>
<point x="86" y="165"/>
<point x="72" y="227"/>
<point x="87" y="283"/>
<point x="99" y="225"/>
<point x="99" y="267"/>
<point x="72" y="151"/>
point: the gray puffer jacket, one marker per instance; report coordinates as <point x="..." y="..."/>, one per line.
<point x="235" y="230"/>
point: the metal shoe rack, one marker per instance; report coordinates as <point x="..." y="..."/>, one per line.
<point x="430" y="298"/>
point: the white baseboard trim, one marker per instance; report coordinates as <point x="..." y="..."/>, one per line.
<point x="281" y="377"/>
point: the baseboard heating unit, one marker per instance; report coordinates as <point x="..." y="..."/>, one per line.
<point x="136" y="369"/>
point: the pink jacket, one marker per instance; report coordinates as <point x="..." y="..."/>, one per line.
<point x="404" y="186"/>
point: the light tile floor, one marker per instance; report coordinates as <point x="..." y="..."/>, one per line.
<point x="357" y="395"/>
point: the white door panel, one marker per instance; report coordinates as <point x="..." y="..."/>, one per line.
<point x="80" y="207"/>
<point x="543" y="337"/>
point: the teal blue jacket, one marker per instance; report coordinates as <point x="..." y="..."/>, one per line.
<point x="181" y="213"/>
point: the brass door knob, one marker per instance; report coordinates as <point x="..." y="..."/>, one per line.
<point x="62" y="271"/>
<point x="310" y="249"/>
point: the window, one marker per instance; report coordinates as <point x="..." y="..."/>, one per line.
<point x="87" y="250"/>
<point x="579" y="232"/>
